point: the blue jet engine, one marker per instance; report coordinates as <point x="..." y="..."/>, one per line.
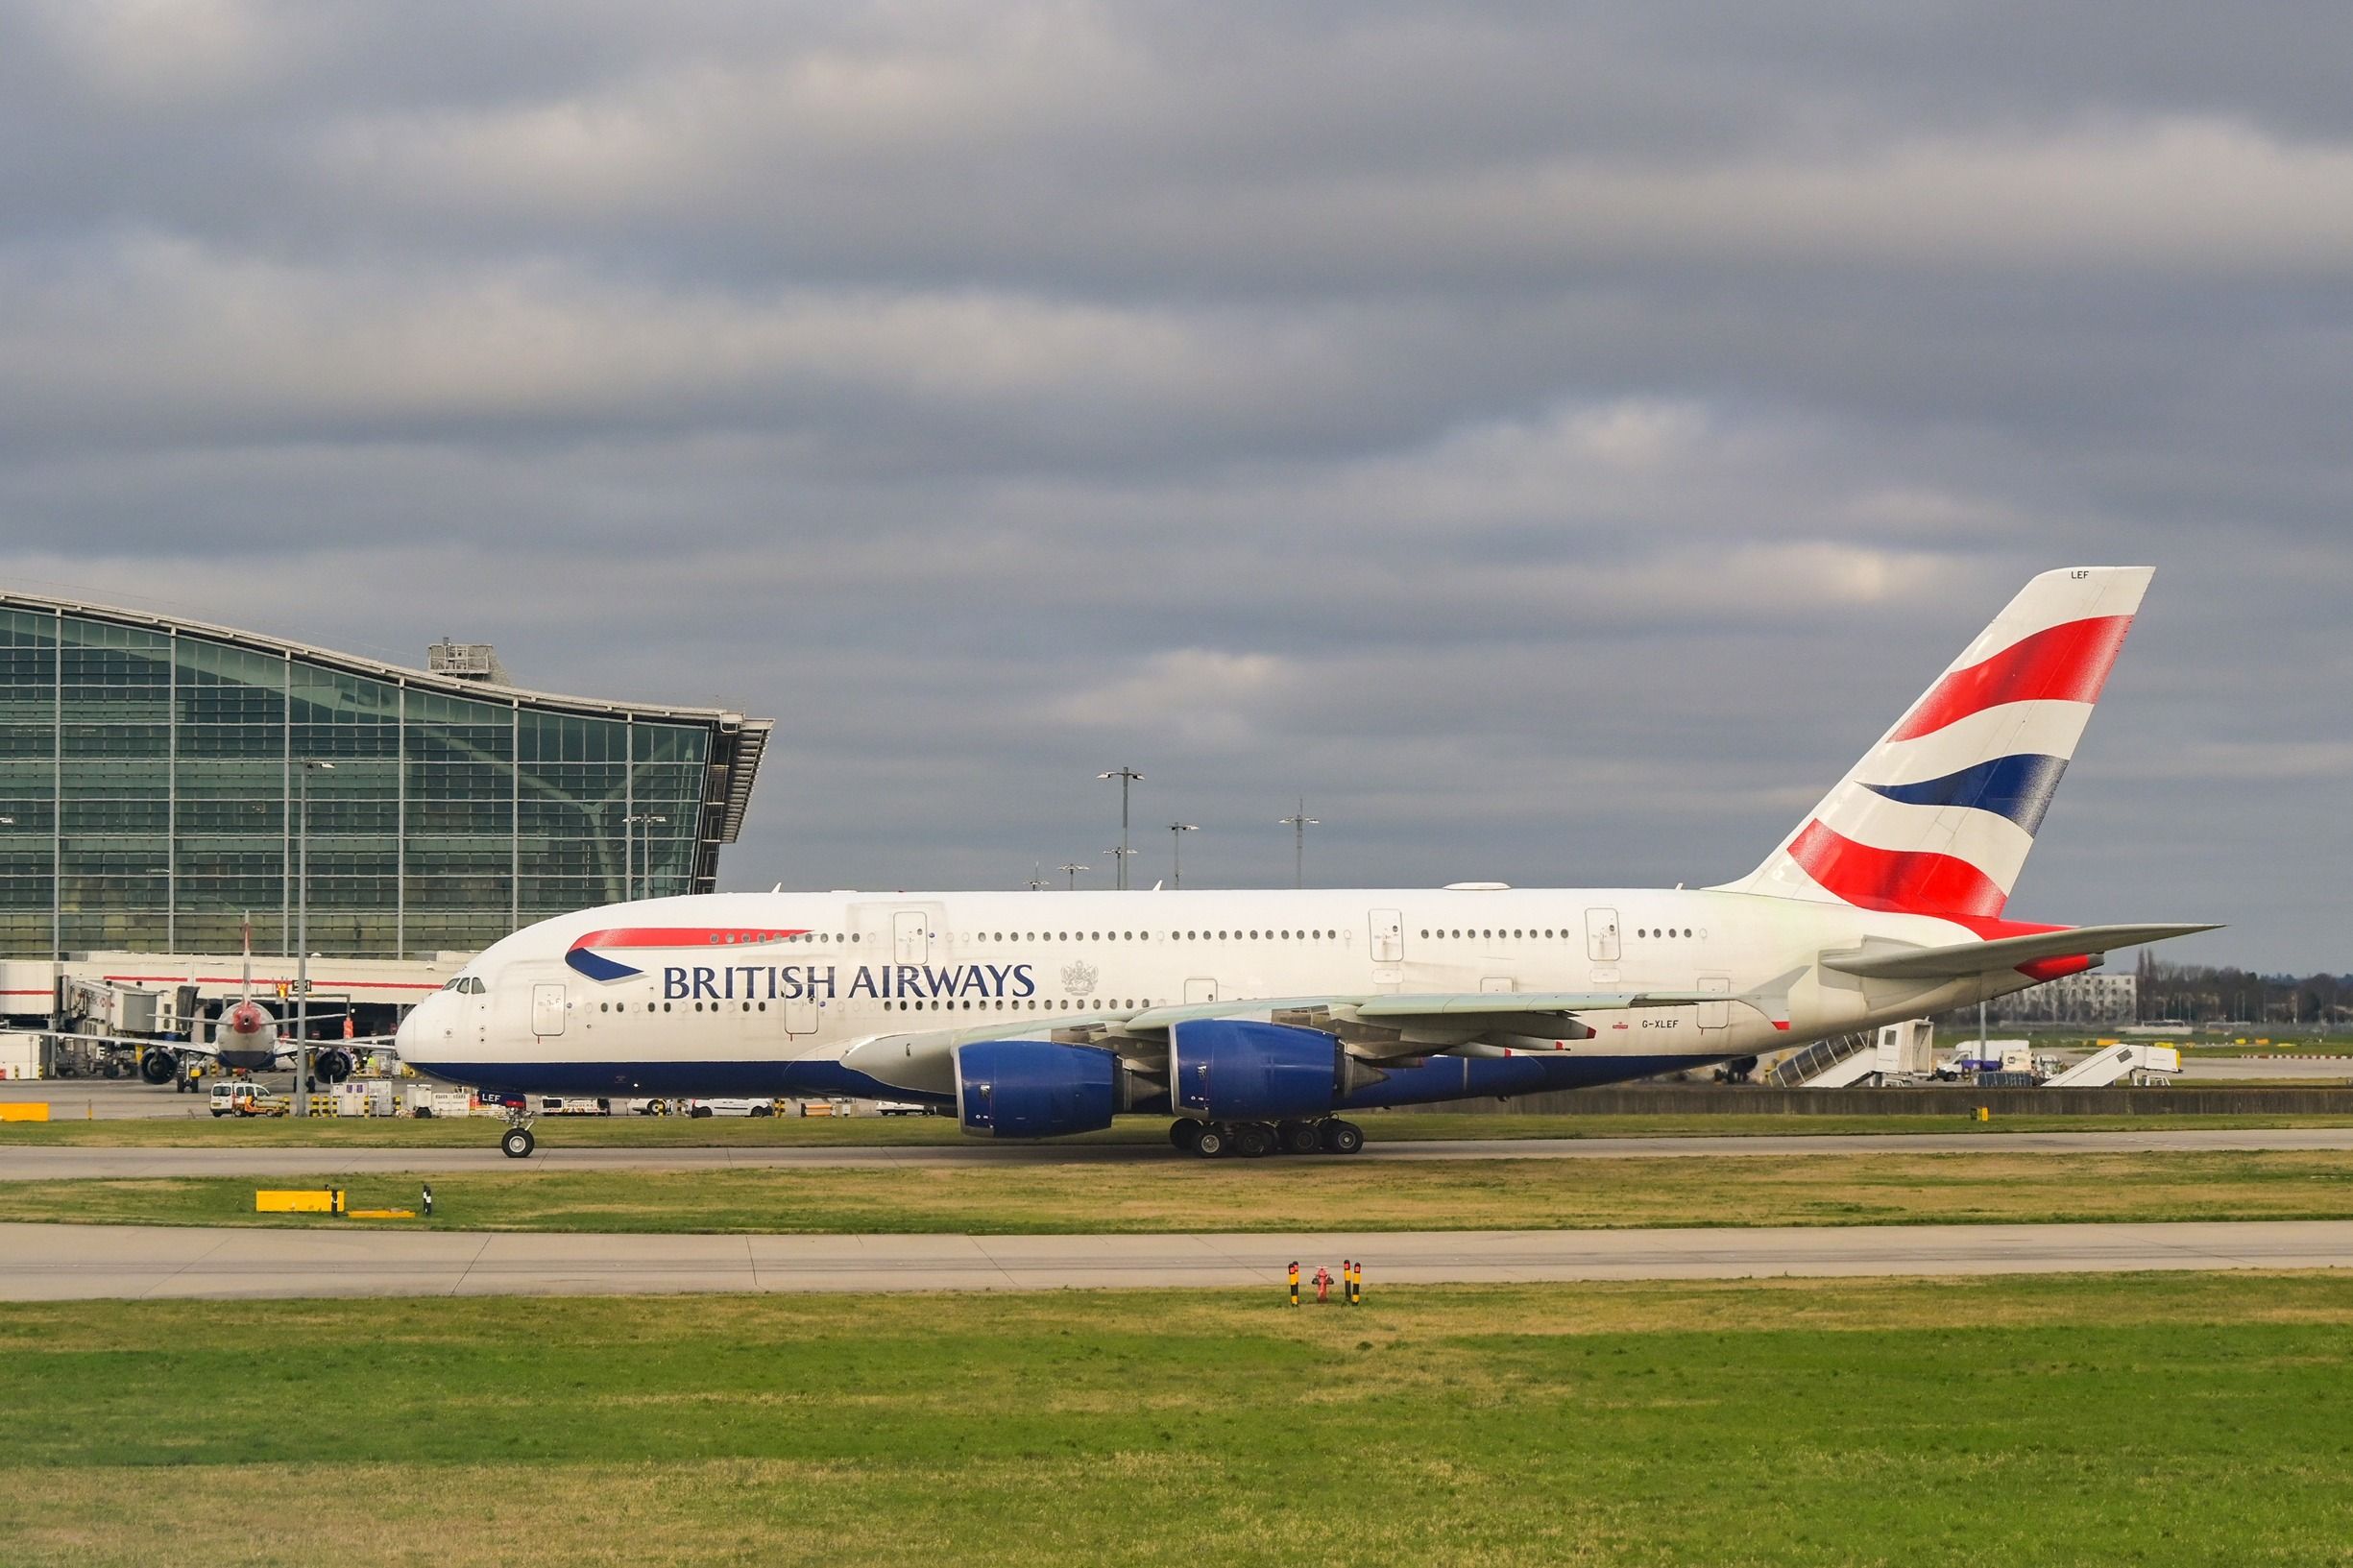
<point x="1230" y="1070"/>
<point x="1036" y="1088"/>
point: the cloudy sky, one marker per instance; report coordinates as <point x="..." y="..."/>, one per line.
<point x="1555" y="439"/>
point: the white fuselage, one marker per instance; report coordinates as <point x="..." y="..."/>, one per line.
<point x="719" y="992"/>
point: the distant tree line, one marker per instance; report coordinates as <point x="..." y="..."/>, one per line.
<point x="2207" y="993"/>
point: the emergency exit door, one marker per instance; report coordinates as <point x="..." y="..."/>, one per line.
<point x="1388" y="937"/>
<point x="1716" y="1014"/>
<point x="1601" y="935"/>
<point x="546" y="1009"/>
<point x="912" y="937"/>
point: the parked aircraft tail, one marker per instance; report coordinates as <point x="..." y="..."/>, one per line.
<point x="1937" y="819"/>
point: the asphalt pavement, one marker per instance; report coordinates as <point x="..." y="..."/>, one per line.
<point x="49" y="1263"/>
<point x="23" y="1163"/>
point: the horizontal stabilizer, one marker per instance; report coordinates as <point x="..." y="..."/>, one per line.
<point x="1964" y="958"/>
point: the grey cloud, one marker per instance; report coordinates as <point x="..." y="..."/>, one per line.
<point x="1555" y="439"/>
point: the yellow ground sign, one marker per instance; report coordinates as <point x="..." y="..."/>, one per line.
<point x="314" y="1200"/>
<point x="36" y="1110"/>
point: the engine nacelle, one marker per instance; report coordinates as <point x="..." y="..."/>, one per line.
<point x="1036" y="1088"/>
<point x="1230" y="1070"/>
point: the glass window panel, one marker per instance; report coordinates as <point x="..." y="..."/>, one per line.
<point x="248" y="675"/>
<point x="146" y="931"/>
<point x="221" y="930"/>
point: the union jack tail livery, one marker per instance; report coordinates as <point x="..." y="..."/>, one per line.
<point x="1937" y="819"/>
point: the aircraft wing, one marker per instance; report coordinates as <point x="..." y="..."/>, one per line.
<point x="1966" y="958"/>
<point x="1377" y="1027"/>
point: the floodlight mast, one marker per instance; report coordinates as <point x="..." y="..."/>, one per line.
<point x="1072" y="868"/>
<point x="1126" y="775"/>
<point x="1298" y="822"/>
<point x="1176" y="844"/>
<point x="301" y="931"/>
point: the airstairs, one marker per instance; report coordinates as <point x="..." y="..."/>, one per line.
<point x="1835" y="1063"/>
<point x="1893" y="1051"/>
<point x="2124" y="1059"/>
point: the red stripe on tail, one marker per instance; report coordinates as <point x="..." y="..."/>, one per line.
<point x="1905" y="881"/>
<point x="2068" y="662"/>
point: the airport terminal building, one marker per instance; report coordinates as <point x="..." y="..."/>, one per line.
<point x="150" y="769"/>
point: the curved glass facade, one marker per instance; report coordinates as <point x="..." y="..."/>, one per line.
<point x="150" y="774"/>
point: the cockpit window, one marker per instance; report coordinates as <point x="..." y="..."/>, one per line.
<point x="467" y="984"/>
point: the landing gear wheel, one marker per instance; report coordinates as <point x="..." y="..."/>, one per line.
<point x="1185" y="1132"/>
<point x="1210" y="1142"/>
<point x="517" y="1142"/>
<point x="1342" y="1137"/>
<point x="1253" y="1140"/>
<point x="1299" y="1136"/>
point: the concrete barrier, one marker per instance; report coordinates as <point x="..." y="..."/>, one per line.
<point x="1956" y="1101"/>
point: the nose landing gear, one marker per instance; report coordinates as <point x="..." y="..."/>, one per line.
<point x="516" y="1141"/>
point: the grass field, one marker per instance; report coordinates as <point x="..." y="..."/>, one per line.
<point x="2019" y="1421"/>
<point x="1287" y="1195"/>
<point x="201" y="1129"/>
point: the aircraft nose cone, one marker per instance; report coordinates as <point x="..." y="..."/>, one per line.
<point x="411" y="1042"/>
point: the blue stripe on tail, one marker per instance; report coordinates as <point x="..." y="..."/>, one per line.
<point x="2018" y="788"/>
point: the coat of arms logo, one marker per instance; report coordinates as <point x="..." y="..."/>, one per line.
<point x="1079" y="979"/>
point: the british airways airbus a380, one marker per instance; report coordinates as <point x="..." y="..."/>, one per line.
<point x="1254" y="1017"/>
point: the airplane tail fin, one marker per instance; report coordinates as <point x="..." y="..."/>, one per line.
<point x="1937" y="819"/>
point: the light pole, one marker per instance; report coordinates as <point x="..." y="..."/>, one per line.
<point x="1176" y="832"/>
<point x="1126" y="775"/>
<point x="1072" y="868"/>
<point x="48" y="1046"/>
<point x="1299" y="823"/>
<point x="1037" y="878"/>
<point x="643" y="821"/>
<point x="302" y="932"/>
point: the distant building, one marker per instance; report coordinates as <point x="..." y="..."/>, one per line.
<point x="2076" y="998"/>
<point x="148" y="783"/>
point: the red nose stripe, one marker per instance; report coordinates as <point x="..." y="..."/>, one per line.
<point x="2067" y="663"/>
<point x="684" y="936"/>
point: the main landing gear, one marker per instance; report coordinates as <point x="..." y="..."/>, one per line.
<point x="1254" y="1140"/>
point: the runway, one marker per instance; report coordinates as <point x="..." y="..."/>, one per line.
<point x="21" y="1163"/>
<point x="50" y="1262"/>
